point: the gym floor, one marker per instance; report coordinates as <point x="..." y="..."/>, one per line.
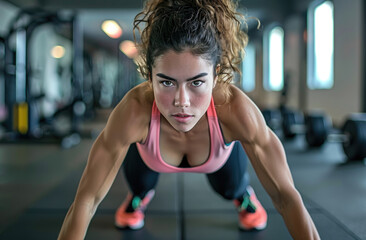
<point x="38" y="183"/>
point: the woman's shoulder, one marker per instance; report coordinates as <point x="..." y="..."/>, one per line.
<point x="229" y="98"/>
<point x="132" y="114"/>
<point x="237" y="113"/>
<point x="138" y="100"/>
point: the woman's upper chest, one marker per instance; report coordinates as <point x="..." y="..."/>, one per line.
<point x="194" y="145"/>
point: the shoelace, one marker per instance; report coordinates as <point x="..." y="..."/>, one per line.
<point x="247" y="205"/>
<point x="136" y="202"/>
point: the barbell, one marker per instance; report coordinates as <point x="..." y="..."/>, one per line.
<point x="317" y="128"/>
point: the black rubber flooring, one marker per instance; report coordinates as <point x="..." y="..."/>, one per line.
<point x="38" y="183"/>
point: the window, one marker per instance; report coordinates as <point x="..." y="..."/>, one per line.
<point x="320" y="45"/>
<point x="248" y="69"/>
<point x="273" y="57"/>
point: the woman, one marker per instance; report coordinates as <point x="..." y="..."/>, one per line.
<point x="188" y="117"/>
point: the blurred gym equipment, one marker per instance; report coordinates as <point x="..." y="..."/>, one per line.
<point x="317" y="128"/>
<point x="24" y="120"/>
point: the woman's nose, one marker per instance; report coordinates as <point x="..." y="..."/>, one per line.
<point x="181" y="98"/>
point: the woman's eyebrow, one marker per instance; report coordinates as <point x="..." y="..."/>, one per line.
<point x="189" y="79"/>
<point x="197" y="76"/>
<point x="165" y="77"/>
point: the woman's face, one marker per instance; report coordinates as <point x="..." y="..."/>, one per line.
<point x="182" y="85"/>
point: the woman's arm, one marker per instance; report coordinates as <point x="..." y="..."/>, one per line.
<point x="269" y="162"/>
<point x="98" y="176"/>
<point x="125" y="126"/>
<point x="268" y="158"/>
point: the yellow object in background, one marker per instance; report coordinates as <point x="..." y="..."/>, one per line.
<point x="21" y="118"/>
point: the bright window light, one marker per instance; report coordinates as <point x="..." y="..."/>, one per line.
<point x="273" y="59"/>
<point x="321" y="46"/>
<point x="248" y="72"/>
<point x="112" y="29"/>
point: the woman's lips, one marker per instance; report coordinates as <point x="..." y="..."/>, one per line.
<point x="182" y="117"/>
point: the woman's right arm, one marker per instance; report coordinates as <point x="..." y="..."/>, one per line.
<point x="124" y="127"/>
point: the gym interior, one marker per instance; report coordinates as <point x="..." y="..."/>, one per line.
<point x="62" y="72"/>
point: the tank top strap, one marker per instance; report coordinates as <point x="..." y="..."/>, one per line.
<point x="155" y="111"/>
<point x="211" y="111"/>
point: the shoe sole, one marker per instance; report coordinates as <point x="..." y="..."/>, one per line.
<point x="132" y="227"/>
<point x="257" y="228"/>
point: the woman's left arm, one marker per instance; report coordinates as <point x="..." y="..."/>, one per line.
<point x="269" y="162"/>
<point x="268" y="159"/>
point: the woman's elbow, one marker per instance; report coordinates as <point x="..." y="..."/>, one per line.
<point x="286" y="198"/>
<point x="88" y="205"/>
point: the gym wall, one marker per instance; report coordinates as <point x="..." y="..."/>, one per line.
<point x="294" y="60"/>
<point x="292" y="66"/>
<point x="346" y="95"/>
<point x="7" y="12"/>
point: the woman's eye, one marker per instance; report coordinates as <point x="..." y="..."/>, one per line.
<point x="167" y="83"/>
<point x="197" y="83"/>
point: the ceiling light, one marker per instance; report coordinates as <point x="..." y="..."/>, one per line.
<point x="128" y="48"/>
<point x="112" y="29"/>
<point x="58" y="51"/>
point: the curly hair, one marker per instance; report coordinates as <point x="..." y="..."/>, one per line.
<point x="208" y="28"/>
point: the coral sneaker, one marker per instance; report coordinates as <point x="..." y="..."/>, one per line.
<point x="133" y="220"/>
<point x="252" y="216"/>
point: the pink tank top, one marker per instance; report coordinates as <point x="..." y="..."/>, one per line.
<point x="219" y="151"/>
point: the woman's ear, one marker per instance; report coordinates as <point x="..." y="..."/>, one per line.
<point x="149" y="80"/>
<point x="214" y="82"/>
<point x="217" y="70"/>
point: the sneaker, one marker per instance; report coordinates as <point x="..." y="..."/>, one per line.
<point x="252" y="216"/>
<point x="133" y="220"/>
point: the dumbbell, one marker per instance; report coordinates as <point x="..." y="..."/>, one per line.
<point x="317" y="128"/>
<point x="354" y="140"/>
<point x="292" y="123"/>
<point x="273" y="118"/>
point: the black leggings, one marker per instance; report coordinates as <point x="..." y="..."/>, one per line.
<point x="230" y="181"/>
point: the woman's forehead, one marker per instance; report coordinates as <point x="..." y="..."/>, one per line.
<point x="181" y="60"/>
